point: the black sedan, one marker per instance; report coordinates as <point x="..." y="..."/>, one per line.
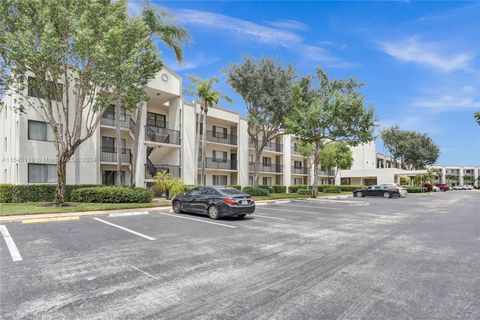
<point x="383" y="190"/>
<point x="217" y="202"/>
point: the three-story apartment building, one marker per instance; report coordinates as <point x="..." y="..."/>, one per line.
<point x="167" y="141"/>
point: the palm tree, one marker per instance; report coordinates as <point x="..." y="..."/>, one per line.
<point x="477" y="117"/>
<point x="165" y="30"/>
<point x="209" y="97"/>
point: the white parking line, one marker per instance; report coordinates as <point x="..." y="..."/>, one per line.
<point x="125" y="229"/>
<point x="10" y="244"/>
<point x="199" y="220"/>
<point x="126" y="214"/>
<point x="268" y="217"/>
<point x="145" y="273"/>
<point x="291" y="210"/>
<point x="314" y="207"/>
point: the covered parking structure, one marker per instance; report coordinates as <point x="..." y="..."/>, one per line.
<point x="375" y="176"/>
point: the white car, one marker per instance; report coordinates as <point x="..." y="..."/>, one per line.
<point x="403" y="192"/>
<point x="435" y="189"/>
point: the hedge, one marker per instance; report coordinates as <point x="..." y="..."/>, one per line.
<point x="279" y="189"/>
<point x="416" y="189"/>
<point x="303" y="191"/>
<point x="255" y="191"/>
<point x="34" y="192"/>
<point x="112" y="194"/>
<point x="268" y="188"/>
<point x="332" y="190"/>
<point x="236" y="186"/>
<point x="294" y="189"/>
<point x="321" y="188"/>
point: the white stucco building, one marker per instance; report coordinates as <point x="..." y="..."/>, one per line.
<point x="167" y="142"/>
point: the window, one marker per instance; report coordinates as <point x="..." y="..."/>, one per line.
<point x="156" y="120"/>
<point x="250" y="158"/>
<point x="250" y="180"/>
<point x="109" y="178"/>
<point x="219" y="132"/>
<point x="38" y="130"/>
<point x="297" y="181"/>
<point x="42" y="173"/>
<point x="195" y="192"/>
<point x="219" y="156"/>
<point x="37" y="89"/>
<point x="297" y="164"/>
<point x="267" y="162"/>
<point x="110" y="113"/>
<point x="219" y="180"/>
<point x="109" y="145"/>
<point x="267" y="181"/>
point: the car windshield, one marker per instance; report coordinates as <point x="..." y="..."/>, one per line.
<point x="231" y="192"/>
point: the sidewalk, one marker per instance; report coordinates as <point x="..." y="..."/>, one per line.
<point x="107" y="212"/>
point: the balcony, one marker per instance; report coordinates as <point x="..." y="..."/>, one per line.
<point x="326" y="173"/>
<point x="270" y="146"/>
<point x="162" y="135"/>
<point x="274" y="168"/>
<point x="220" y="137"/>
<point x="293" y="150"/>
<point x="300" y="170"/>
<point x="108" y="119"/>
<point x="151" y="170"/>
<point x="109" y="154"/>
<point x="219" y="164"/>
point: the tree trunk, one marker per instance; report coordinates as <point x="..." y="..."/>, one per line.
<point x="316" y="163"/>
<point x="61" y="183"/>
<point x="197" y="146"/>
<point x="258" y="158"/>
<point x="118" y="143"/>
<point x="204" y="143"/>
<point x="137" y="144"/>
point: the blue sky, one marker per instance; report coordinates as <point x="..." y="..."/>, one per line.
<point x="420" y="61"/>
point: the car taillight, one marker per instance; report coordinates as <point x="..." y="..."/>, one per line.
<point x="229" y="201"/>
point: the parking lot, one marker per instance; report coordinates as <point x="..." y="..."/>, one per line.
<point x="356" y="258"/>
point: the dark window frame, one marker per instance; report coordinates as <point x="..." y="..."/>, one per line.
<point x="46" y="131"/>
<point x="40" y="164"/>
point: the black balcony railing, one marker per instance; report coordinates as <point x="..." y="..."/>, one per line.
<point x="326" y="172"/>
<point x="151" y="170"/>
<point x="221" y="137"/>
<point x="108" y="119"/>
<point x="267" y="167"/>
<point x="109" y="154"/>
<point x="162" y="135"/>
<point x="270" y="146"/>
<point x="299" y="170"/>
<point x="133" y="126"/>
<point x="213" y="163"/>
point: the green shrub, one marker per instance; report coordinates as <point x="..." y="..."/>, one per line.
<point x="303" y="191"/>
<point x="294" y="189"/>
<point x="236" y="186"/>
<point x="332" y="190"/>
<point x="416" y="189"/>
<point x="268" y="188"/>
<point x="255" y="191"/>
<point x="111" y="194"/>
<point x="350" y="187"/>
<point x="6" y="193"/>
<point x="34" y="192"/>
<point x="189" y="187"/>
<point x="279" y="189"/>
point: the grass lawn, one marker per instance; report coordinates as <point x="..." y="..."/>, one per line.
<point x="10" y="209"/>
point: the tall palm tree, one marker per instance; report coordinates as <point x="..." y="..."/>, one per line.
<point x="165" y="30"/>
<point x="209" y="97"/>
<point x="477" y="117"/>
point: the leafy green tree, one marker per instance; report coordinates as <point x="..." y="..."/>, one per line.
<point x="333" y="112"/>
<point x="404" y="180"/>
<point x="209" y="97"/>
<point x="452" y="178"/>
<point x="265" y="87"/>
<point x="412" y="149"/>
<point x="476" y="115"/>
<point x="165" y="31"/>
<point x="71" y="53"/>
<point x="337" y="156"/>
<point x="469" y="178"/>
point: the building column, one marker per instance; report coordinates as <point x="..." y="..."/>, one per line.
<point x="287" y="160"/>
<point x="444" y="173"/>
<point x="462" y="171"/>
<point x="142" y="150"/>
<point x="188" y="133"/>
<point x="475" y="175"/>
<point x="242" y="153"/>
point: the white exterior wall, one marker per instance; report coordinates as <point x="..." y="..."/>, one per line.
<point x="364" y="156"/>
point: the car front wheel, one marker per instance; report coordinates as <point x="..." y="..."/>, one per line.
<point x="177" y="207"/>
<point x="213" y="212"/>
<point x="241" y="216"/>
<point x="387" y="195"/>
<point x="358" y="194"/>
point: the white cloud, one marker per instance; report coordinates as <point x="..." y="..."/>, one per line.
<point x="426" y="53"/>
<point x="191" y="62"/>
<point x="259" y="33"/>
<point x="453" y="99"/>
<point x="289" y="25"/>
